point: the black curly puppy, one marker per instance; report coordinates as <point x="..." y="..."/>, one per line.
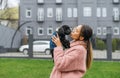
<point x="62" y="32"/>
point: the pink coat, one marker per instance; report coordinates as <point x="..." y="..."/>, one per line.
<point x="70" y="63"/>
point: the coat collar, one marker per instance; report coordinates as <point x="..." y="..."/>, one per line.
<point x="74" y="43"/>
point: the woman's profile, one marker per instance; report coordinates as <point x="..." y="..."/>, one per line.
<point x="73" y="62"/>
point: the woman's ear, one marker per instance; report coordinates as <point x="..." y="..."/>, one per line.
<point x="81" y="38"/>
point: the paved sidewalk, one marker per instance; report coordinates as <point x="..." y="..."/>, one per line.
<point x="102" y="54"/>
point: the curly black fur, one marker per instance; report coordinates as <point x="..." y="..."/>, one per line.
<point x="62" y="32"/>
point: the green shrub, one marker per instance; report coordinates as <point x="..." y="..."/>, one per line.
<point x="114" y="45"/>
<point x="100" y="44"/>
<point x="118" y="44"/>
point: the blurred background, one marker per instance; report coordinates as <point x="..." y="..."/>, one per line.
<point x="40" y="18"/>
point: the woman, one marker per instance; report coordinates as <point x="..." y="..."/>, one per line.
<point x="73" y="62"/>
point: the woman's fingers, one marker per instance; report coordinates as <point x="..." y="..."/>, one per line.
<point x="57" y="35"/>
<point x="54" y="38"/>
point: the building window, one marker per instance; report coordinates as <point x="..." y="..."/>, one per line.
<point x="50" y="31"/>
<point x="116" y="1"/>
<point x="116" y="30"/>
<point x="40" y="31"/>
<point x="104" y="31"/>
<point x="50" y="12"/>
<point x="40" y="14"/>
<point x="74" y="12"/>
<point x="58" y="1"/>
<point x="69" y="12"/>
<point x="104" y="12"/>
<point x="116" y="15"/>
<point x="40" y="1"/>
<point x="99" y="31"/>
<point x="58" y="14"/>
<point x="28" y="30"/>
<point x="28" y="13"/>
<point x="98" y="12"/>
<point x="87" y="11"/>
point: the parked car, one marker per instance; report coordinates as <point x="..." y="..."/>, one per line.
<point x="38" y="46"/>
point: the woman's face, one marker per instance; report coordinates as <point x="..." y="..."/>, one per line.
<point x="75" y="34"/>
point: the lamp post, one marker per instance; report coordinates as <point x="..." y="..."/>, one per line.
<point x="30" y="42"/>
<point x="109" y="43"/>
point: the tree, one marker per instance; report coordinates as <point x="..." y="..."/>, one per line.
<point x="9" y="14"/>
<point x="25" y="40"/>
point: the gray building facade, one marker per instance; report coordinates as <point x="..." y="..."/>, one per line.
<point x="46" y="15"/>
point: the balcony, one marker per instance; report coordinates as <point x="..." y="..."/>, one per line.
<point x="116" y="1"/>
<point x="40" y="1"/>
<point x="58" y="1"/>
<point x="58" y="18"/>
<point x="40" y="19"/>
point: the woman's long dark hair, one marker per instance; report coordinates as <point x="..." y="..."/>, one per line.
<point x="86" y="32"/>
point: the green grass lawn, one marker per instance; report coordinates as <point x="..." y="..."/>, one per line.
<point x="36" y="68"/>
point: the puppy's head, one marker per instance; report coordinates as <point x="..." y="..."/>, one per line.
<point x="64" y="30"/>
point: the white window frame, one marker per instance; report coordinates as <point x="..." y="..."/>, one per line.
<point x="87" y="11"/>
<point x="116" y="14"/>
<point x="116" y="1"/>
<point x="58" y="1"/>
<point x="104" y="30"/>
<point x="48" y="31"/>
<point x="99" y="33"/>
<point x="28" y="10"/>
<point x="49" y="12"/>
<point x="30" y="29"/>
<point x="118" y="31"/>
<point x="42" y="31"/>
<point x="40" y="14"/>
<point x="104" y="12"/>
<point x="98" y="12"/>
<point x="75" y="13"/>
<point x="69" y="12"/>
<point x="40" y="1"/>
<point x="58" y="14"/>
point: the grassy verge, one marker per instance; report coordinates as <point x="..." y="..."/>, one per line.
<point x="104" y="70"/>
<point x="35" y="68"/>
<point x="25" y="68"/>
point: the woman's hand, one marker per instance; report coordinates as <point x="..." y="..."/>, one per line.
<point x="56" y="40"/>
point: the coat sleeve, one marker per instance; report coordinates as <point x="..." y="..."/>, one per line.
<point x="67" y="61"/>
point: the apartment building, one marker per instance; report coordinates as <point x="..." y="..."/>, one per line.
<point x="42" y="17"/>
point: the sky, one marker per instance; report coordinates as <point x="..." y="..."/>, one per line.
<point x="11" y="3"/>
